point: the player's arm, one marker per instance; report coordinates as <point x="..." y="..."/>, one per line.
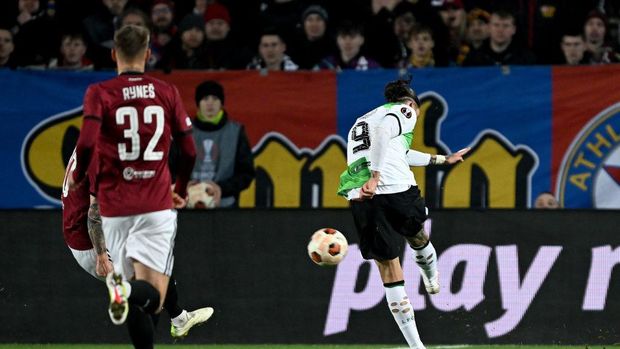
<point x="417" y="158"/>
<point x="95" y="231"/>
<point x="88" y="136"/>
<point x="182" y="135"/>
<point x="380" y="136"/>
<point x="187" y="157"/>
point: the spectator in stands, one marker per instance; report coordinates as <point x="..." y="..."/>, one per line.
<point x="546" y="200"/>
<point x="271" y="54"/>
<point x="99" y="29"/>
<point x="313" y="43"/>
<point x="217" y="22"/>
<point x="34" y="35"/>
<point x="595" y="31"/>
<point x="404" y="21"/>
<point x="282" y="15"/>
<point x="574" y="49"/>
<point x="350" y="39"/>
<point x="6" y="48"/>
<point x="72" y="54"/>
<point x="162" y="17"/>
<point x="454" y="18"/>
<point x="421" y="44"/>
<point x="611" y="8"/>
<point x="224" y="158"/>
<point x="477" y="32"/>
<point x="188" y="48"/>
<point x="387" y="26"/>
<point x="200" y="7"/>
<point x="221" y="52"/>
<point x="500" y="49"/>
<point x="133" y="16"/>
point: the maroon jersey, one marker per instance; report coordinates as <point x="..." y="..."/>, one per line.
<point x="139" y="116"/>
<point x="75" y="204"/>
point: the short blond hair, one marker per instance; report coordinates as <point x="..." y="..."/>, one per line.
<point x="130" y="41"/>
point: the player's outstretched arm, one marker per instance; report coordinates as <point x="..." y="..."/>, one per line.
<point x="104" y="265"/>
<point x="458" y="156"/>
<point x="417" y="158"/>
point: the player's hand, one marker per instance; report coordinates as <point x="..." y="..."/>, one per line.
<point x="458" y="156"/>
<point x="178" y="201"/>
<point x="104" y="265"/>
<point x="216" y="191"/>
<point x="369" y="188"/>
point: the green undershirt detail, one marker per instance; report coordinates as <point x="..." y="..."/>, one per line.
<point x="214" y="120"/>
<point x="354" y="176"/>
<point x="408" y="139"/>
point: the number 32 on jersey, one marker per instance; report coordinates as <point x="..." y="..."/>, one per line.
<point x="153" y="113"/>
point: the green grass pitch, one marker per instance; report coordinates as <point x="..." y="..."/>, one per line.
<point x="298" y="346"/>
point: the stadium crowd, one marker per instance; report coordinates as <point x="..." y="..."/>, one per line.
<point x="312" y="34"/>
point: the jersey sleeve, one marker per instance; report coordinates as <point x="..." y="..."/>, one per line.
<point x="181" y="123"/>
<point x="92" y="170"/>
<point x="399" y="119"/>
<point x="93" y="107"/>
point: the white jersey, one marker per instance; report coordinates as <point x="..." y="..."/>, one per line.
<point x="386" y="130"/>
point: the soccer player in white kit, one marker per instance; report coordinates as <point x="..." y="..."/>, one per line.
<point x="385" y="199"/>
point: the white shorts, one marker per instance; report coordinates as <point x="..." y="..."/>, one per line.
<point x="147" y="238"/>
<point x="87" y="259"/>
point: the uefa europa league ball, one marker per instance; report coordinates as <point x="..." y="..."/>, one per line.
<point x="327" y="246"/>
<point x="198" y="198"/>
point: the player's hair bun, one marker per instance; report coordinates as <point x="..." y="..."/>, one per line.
<point x="397" y="90"/>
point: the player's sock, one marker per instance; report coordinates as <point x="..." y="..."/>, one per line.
<point x="155" y="318"/>
<point x="140" y="325"/>
<point x="402" y="310"/>
<point x="171" y="302"/>
<point x="144" y="295"/>
<point x="179" y="320"/>
<point x="426" y="259"/>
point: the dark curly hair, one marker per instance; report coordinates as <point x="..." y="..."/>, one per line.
<point x="399" y="90"/>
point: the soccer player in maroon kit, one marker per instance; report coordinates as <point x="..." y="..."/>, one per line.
<point x="132" y="119"/>
<point x="85" y="242"/>
<point x="84" y="236"/>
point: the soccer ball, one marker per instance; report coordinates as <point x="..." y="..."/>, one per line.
<point x="327" y="247"/>
<point x="198" y="197"/>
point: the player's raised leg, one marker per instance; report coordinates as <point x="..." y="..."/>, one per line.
<point x="426" y="259"/>
<point x="398" y="301"/>
<point x="124" y="294"/>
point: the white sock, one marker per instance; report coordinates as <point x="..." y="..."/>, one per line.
<point x="426" y="259"/>
<point x="402" y="310"/>
<point x="180" y="319"/>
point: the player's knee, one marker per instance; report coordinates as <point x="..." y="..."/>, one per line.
<point x="153" y="306"/>
<point x="419" y="240"/>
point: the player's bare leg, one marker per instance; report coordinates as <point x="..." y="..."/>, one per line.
<point x="155" y="278"/>
<point x="400" y="306"/>
<point x="426" y="259"/>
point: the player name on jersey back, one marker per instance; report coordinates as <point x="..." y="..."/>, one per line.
<point x="139" y="91"/>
